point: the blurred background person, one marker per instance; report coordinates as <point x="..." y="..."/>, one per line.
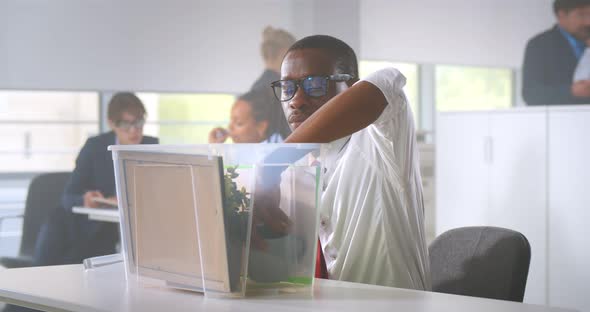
<point x="552" y="56"/>
<point x="250" y="120"/>
<point x="275" y="43"/>
<point x="68" y="237"/>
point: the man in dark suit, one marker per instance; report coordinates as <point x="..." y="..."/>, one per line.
<point x="552" y="56"/>
<point x="68" y="237"/>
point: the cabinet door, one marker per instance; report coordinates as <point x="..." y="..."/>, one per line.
<point x="461" y="170"/>
<point x="518" y="175"/>
<point x="569" y="208"/>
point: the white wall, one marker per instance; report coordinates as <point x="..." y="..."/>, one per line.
<point x="463" y="32"/>
<point x="213" y="46"/>
<point x="338" y="18"/>
<point x="174" y="45"/>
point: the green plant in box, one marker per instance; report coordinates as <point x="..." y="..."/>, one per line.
<point x="270" y="272"/>
<point x="236" y="201"/>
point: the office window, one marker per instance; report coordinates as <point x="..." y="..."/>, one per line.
<point x="185" y="118"/>
<point x="409" y="70"/>
<point x="473" y="88"/>
<point x="44" y="130"/>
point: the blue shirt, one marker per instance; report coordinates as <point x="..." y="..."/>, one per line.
<point x="576" y="44"/>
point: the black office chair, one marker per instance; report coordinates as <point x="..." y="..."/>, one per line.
<point x="486" y="262"/>
<point x="44" y="195"/>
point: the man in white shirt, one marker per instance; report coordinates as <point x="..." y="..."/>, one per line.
<point x="371" y="214"/>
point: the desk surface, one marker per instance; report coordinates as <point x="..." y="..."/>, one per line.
<point x="99" y="214"/>
<point x="70" y="288"/>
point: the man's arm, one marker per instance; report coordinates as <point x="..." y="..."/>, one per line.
<point x="343" y="115"/>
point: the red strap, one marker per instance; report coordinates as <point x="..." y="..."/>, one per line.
<point x="321" y="270"/>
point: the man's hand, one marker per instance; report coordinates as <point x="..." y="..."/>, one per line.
<point x="88" y="202"/>
<point x="268" y="216"/>
<point x="581" y="88"/>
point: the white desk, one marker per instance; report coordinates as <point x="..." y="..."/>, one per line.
<point x="99" y="214"/>
<point x="69" y="288"/>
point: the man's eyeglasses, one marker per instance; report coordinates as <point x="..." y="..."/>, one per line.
<point x="127" y="125"/>
<point x="313" y="86"/>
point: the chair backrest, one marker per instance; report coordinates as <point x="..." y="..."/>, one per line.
<point x="43" y="197"/>
<point x="486" y="262"/>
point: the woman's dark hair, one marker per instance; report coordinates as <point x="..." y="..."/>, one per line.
<point x="568" y="5"/>
<point x="125" y="102"/>
<point x="264" y="106"/>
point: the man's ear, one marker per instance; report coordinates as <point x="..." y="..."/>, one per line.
<point x="340" y="85"/>
<point x="352" y="81"/>
<point x="111" y="124"/>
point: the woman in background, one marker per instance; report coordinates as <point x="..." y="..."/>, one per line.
<point x="249" y="120"/>
<point x="275" y="43"/>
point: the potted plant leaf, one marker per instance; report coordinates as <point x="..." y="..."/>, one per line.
<point x="236" y="203"/>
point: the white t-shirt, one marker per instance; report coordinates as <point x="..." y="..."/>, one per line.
<point x="372" y="213"/>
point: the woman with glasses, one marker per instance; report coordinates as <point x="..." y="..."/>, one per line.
<point x="250" y="120"/>
<point x="69" y="238"/>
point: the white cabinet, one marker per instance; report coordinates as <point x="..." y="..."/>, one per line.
<point x="526" y="169"/>
<point x="569" y="212"/>
<point x="491" y="171"/>
<point x="517" y="193"/>
<point x="461" y="173"/>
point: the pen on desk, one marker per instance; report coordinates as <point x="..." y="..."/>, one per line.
<point x="96" y="262"/>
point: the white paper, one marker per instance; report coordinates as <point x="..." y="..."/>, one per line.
<point x="583" y="69"/>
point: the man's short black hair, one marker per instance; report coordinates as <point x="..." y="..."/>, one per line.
<point x="343" y="55"/>
<point x="568" y="5"/>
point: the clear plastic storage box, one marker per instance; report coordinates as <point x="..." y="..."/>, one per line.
<point x="224" y="219"/>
